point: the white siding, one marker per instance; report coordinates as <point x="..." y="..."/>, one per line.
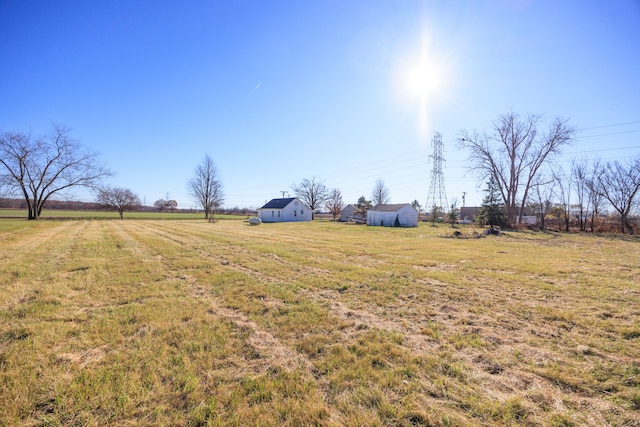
<point x="407" y="216"/>
<point x="347" y="212"/>
<point x="295" y="211"/>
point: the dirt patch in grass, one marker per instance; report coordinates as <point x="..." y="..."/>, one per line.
<point x="85" y="357"/>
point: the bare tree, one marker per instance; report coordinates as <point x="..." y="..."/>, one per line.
<point x="118" y="199"/>
<point x="513" y="154"/>
<point x="588" y="188"/>
<point x="595" y="196"/>
<point x="380" y="194"/>
<point x="335" y="203"/>
<point x="165" y="205"/>
<point x="312" y="193"/>
<point x="619" y="184"/>
<point x="206" y="187"/>
<point x="542" y="196"/>
<point x="563" y="184"/>
<point x="580" y="173"/>
<point x="159" y="204"/>
<point x="40" y="167"/>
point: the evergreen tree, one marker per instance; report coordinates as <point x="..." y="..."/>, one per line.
<point x="363" y="204"/>
<point x="493" y="209"/>
<point x="435" y="215"/>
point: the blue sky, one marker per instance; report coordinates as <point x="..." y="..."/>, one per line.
<point x="347" y="91"/>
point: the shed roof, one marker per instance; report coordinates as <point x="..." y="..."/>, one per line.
<point x="349" y="207"/>
<point x="278" y="203"/>
<point x="389" y="208"/>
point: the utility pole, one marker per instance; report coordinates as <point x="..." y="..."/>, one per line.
<point x="283" y="193"/>
<point x="437" y="197"/>
<point x="464" y="193"/>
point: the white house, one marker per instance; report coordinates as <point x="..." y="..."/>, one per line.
<point x="284" y="210"/>
<point x="402" y="215"/>
<point x="347" y="213"/>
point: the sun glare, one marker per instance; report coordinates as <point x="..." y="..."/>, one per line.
<point x="422" y="77"/>
<point x="423" y="80"/>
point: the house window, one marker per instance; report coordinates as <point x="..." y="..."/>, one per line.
<point x="295" y="213"/>
<point x="272" y="214"/>
<point x="278" y="214"/>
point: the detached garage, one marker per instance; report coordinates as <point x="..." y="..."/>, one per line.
<point x="349" y="212"/>
<point x="402" y="215"/>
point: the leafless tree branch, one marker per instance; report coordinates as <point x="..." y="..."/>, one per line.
<point x="206" y="186"/>
<point x="514" y="153"/>
<point x="118" y="199"/>
<point x="312" y="192"/>
<point x="380" y="194"/>
<point x="40" y="167"/>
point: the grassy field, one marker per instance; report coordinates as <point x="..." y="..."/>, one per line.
<point x="186" y="322"/>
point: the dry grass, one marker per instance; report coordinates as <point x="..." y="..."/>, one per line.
<point x="194" y="323"/>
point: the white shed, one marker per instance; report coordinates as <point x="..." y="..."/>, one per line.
<point x="348" y="212"/>
<point x="402" y="215"/>
<point x="284" y="210"/>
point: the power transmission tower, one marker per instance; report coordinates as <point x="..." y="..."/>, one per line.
<point x="437" y="195"/>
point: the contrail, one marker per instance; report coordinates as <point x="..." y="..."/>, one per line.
<point x="255" y="88"/>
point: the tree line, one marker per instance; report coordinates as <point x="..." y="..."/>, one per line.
<point x="516" y="158"/>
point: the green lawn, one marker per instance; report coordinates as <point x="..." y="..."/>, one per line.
<point x="186" y="322"/>
<point x="81" y="214"/>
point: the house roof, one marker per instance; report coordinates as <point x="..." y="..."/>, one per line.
<point x="470" y="210"/>
<point x="278" y="203"/>
<point x="389" y="208"/>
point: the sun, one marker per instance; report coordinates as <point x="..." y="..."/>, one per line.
<point x="423" y="79"/>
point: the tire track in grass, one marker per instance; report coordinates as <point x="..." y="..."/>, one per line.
<point x="416" y="341"/>
<point x="61" y="233"/>
<point x="203" y="245"/>
<point x="274" y="351"/>
<point x="28" y="262"/>
<point x="267" y="351"/>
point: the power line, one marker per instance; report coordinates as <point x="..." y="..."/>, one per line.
<point x="610" y="126"/>
<point x="612" y="133"/>
<point x="603" y="149"/>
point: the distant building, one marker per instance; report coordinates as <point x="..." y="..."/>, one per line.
<point x="401" y="215"/>
<point x="527" y="220"/>
<point x="350" y="212"/>
<point x="469" y="213"/>
<point x="285" y="210"/>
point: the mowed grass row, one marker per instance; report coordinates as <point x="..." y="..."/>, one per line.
<point x="194" y="323"/>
